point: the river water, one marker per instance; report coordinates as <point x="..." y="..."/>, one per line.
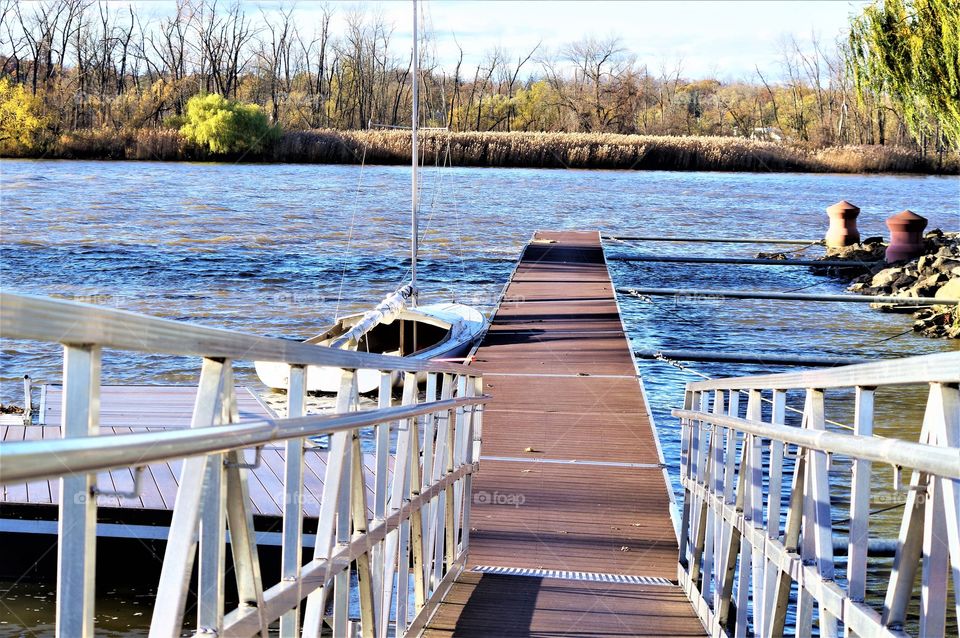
<point x="281" y="249"/>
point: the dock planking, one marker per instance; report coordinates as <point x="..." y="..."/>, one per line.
<point x="571" y="475"/>
<point x="146" y="408"/>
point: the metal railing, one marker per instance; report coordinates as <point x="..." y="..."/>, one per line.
<point x="418" y="522"/>
<point x="754" y="560"/>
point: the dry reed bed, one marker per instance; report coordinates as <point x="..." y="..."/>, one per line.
<point x="532" y="150"/>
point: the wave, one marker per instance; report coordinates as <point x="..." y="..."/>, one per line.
<point x="186" y="241"/>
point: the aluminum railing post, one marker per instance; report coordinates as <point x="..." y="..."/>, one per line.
<point x="292" y="548"/>
<point x="860" y="501"/>
<point x="181" y="548"/>
<point x="77" y="520"/>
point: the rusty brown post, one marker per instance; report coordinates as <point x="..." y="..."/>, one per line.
<point x="906" y="236"/>
<point x="843" y="225"/>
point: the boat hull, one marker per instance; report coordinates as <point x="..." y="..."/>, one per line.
<point x="466" y="324"/>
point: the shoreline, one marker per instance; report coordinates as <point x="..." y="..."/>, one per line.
<point x="510" y="150"/>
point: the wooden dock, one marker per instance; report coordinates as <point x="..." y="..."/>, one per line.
<point x="561" y="522"/>
<point x="138" y="408"/>
<point x="571" y="526"/>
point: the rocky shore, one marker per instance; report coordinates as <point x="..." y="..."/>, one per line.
<point x="935" y="273"/>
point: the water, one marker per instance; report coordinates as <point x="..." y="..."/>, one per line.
<point x="268" y="250"/>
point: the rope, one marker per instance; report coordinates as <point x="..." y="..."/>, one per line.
<point x="426" y="225"/>
<point x="804" y="287"/>
<point x="353" y="218"/>
<point x="436" y="190"/>
<point x="879" y="511"/>
<point x="899" y="334"/>
<point x="448" y="160"/>
<point x="800" y="250"/>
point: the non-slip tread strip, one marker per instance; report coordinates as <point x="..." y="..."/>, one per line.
<point x="593" y="577"/>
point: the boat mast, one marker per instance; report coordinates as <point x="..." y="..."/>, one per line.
<point x="414" y="231"/>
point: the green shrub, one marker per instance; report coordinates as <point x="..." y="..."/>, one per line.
<point x="227" y="127"/>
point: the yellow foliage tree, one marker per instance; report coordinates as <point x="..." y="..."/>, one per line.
<point x="21" y="122"/>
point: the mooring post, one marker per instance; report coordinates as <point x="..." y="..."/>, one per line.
<point x="906" y="236"/>
<point x="27" y="401"/>
<point x="843" y="225"/>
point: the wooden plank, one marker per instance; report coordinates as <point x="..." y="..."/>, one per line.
<point x="37" y="491"/>
<point x="17" y="492"/>
<point x="142" y="406"/>
<point x="570" y="476"/>
<point x="159" y="482"/>
<point x="570" y="517"/>
<point x="620" y="437"/>
<point x="477" y="606"/>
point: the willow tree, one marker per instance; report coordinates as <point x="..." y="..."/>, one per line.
<point x="910" y="50"/>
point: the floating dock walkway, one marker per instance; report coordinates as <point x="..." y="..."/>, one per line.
<point x="126" y="409"/>
<point x="571" y="523"/>
<point x="522" y="495"/>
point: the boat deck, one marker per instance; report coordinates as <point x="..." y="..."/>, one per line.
<point x="571" y="523"/>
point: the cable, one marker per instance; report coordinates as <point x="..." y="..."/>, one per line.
<point x="804" y="287"/>
<point x="353" y="218"/>
<point x="899" y="334"/>
<point x="879" y="511"/>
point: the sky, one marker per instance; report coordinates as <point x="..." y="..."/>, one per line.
<point x="725" y="39"/>
<point x="719" y="38"/>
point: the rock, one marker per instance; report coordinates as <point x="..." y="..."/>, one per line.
<point x="777" y="256"/>
<point x="949" y="290"/>
<point x="926" y="286"/>
<point x="886" y="277"/>
<point x="905" y="280"/>
<point x="945" y="266"/>
<point x="864" y="251"/>
<point x="934" y="273"/>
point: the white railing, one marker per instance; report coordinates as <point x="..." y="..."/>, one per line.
<point x="419" y="519"/>
<point x="754" y="562"/>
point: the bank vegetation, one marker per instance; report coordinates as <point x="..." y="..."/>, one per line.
<point x="81" y="78"/>
<point x="516" y="150"/>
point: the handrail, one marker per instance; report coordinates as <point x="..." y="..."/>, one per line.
<point x="932" y="368"/>
<point x="743" y="524"/>
<point x="943" y="462"/>
<point x="69" y="322"/>
<point x="420" y="510"/>
<point x="41" y="459"/>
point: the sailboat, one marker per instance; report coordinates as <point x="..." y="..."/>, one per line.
<point x="398" y="325"/>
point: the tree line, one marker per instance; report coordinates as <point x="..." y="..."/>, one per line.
<point x="88" y="64"/>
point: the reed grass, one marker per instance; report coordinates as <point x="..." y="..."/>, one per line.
<point x="530" y="150"/>
<point x="586" y="150"/>
<point x="142" y="144"/>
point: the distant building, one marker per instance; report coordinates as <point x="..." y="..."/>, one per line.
<point x="767" y="134"/>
